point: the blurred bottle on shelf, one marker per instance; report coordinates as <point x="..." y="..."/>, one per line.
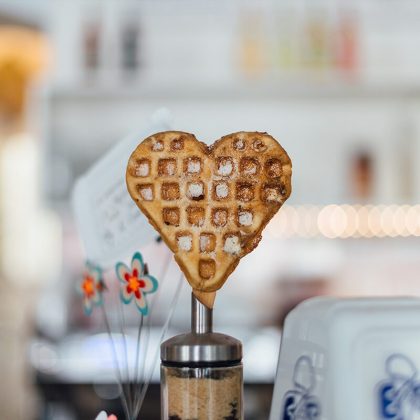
<point x="406" y="153"/>
<point x="346" y="44"/>
<point x="287" y="49"/>
<point x="316" y="46"/>
<point x="362" y="176"/>
<point x="251" y="44"/>
<point x="130" y="40"/>
<point x="91" y="45"/>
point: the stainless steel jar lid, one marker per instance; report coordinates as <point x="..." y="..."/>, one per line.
<point x="201" y="345"/>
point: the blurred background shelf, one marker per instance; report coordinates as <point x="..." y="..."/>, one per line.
<point x="257" y="90"/>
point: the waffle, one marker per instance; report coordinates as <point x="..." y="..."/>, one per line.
<point x="209" y="204"/>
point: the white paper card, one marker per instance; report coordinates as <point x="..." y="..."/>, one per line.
<point x="109" y="222"/>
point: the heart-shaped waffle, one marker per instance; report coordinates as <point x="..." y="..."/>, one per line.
<point x="209" y="204"/>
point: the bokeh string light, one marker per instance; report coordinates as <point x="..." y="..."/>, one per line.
<point x="347" y="221"/>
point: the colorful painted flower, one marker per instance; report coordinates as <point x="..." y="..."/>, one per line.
<point x="135" y="282"/>
<point x="92" y="287"/>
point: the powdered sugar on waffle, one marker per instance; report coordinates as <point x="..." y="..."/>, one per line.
<point x="225" y="167"/>
<point x="157" y="146"/>
<point x="147" y="193"/>
<point x="232" y="245"/>
<point x="196" y="190"/>
<point x="245" y="218"/>
<point x="170" y="169"/>
<point x="222" y="190"/>
<point x="204" y="243"/>
<point x="185" y="242"/>
<point x="143" y="169"/>
<point x="194" y="167"/>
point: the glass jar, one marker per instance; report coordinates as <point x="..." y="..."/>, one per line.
<point x="201" y="373"/>
<point x="202" y="392"/>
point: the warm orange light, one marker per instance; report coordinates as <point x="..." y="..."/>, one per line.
<point x="346" y="221"/>
<point x="374" y="221"/>
<point x="24" y="55"/>
<point x="351" y="227"/>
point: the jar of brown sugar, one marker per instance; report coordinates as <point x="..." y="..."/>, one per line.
<point x="201" y="372"/>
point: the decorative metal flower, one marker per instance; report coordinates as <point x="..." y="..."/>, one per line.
<point x="136" y="282"/>
<point x="92" y="287"/>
